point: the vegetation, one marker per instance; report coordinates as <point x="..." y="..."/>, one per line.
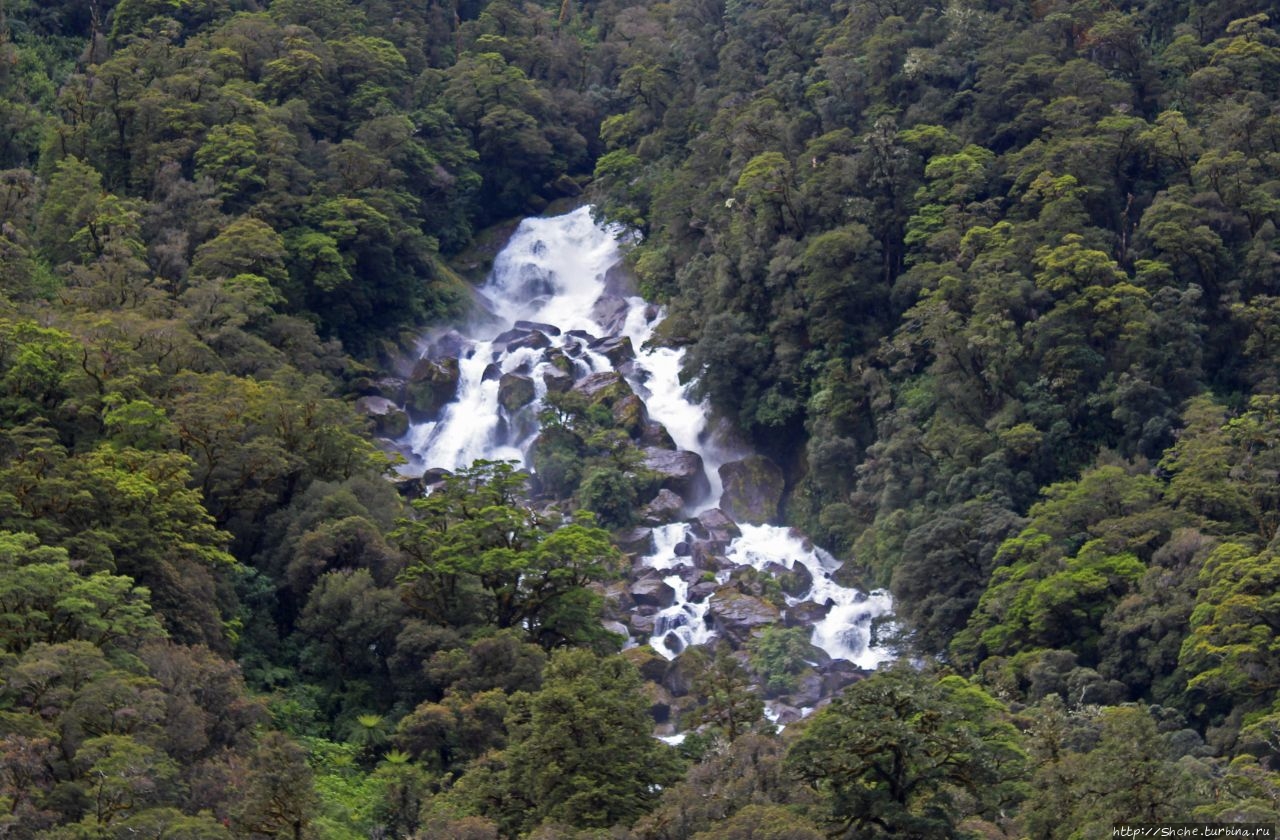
<point x="996" y="284"/>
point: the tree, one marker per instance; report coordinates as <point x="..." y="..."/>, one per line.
<point x="908" y="753"/>
<point x="474" y="532"/>
<point x="581" y="751"/>
<point x="43" y="600"/>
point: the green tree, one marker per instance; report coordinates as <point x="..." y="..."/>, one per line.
<point x="907" y="753"/>
<point x="581" y="751"/>
<point x="475" y="532"/>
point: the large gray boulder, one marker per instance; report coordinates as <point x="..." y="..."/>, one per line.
<point x="388" y="420"/>
<point x="616" y="348"/>
<point x="737" y="615"/>
<point x="752" y="490"/>
<point x="715" y="525"/>
<point x="432" y="385"/>
<point x="610" y="312"/>
<point x="604" y="387"/>
<point x="665" y="508"/>
<point x="515" y="391"/>
<point x="653" y="592"/>
<point x="679" y="471"/>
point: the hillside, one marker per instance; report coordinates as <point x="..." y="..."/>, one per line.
<point x="996" y="285"/>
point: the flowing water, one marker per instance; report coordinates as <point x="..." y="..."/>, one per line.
<point x="552" y="279"/>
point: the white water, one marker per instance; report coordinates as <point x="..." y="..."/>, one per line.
<point x="553" y="272"/>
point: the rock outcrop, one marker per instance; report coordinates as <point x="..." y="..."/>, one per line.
<point x="753" y="489"/>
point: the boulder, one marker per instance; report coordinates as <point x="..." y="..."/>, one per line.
<point x="410" y="487"/>
<point x="796" y="581"/>
<point x="653" y="592"/>
<point x="431" y="387"/>
<point x="620" y="280"/>
<point x="557" y="359"/>
<point x="634" y="541"/>
<point x="510" y="336"/>
<point x="556" y="380"/>
<point x="680" y="675"/>
<point x="752" y="490"/>
<point x="617" y="627"/>
<point x="679" y="471"/>
<point x="533" y="341"/>
<point x="838" y="674"/>
<point x="515" y="391"/>
<point x="808" y="690"/>
<point x="492" y="371"/>
<point x="665" y="508"/>
<point x="641" y="624"/>
<point x="616" y="348"/>
<point x="534" y="326"/>
<point x="630" y="415"/>
<point x="605" y="386"/>
<point x="702" y="590"/>
<point x="450" y="345"/>
<point x="650" y="665"/>
<point x="656" y="435"/>
<point x="388" y="419"/>
<point x="806" y="614"/>
<point x="715" y="524"/>
<point x="737" y="616"/>
<point x="610" y="312"/>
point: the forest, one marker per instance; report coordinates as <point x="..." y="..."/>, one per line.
<point x="996" y="284"/>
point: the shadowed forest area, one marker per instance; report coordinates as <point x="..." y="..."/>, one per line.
<point x="997" y="284"/>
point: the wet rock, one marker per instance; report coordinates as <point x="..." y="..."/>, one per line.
<point x="634" y="541"/>
<point x="806" y="614"/>
<point x="684" y="548"/>
<point x="431" y="387"/>
<point x="839" y="674"/>
<point x="679" y="676"/>
<point x="630" y="415"/>
<point x="665" y="508"/>
<point x="450" y="345"/>
<point x="678" y="471"/>
<point x="532" y="341"/>
<point x="653" y="592"/>
<point x="515" y="391"/>
<point x="752" y="490"/>
<point x="808" y="690"/>
<point x="642" y="625"/>
<point x="557" y="381"/>
<point x="617" y="627"/>
<point x="656" y="435"/>
<point x="796" y="581"/>
<point x="617" y="349"/>
<point x="605" y="386"/>
<point x="737" y="616"/>
<point x="492" y="371"/>
<point x="389" y="420"/>
<point x="510" y="336"/>
<point x="702" y="590"/>
<point x="650" y="665"/>
<point x="715" y="524"/>
<point x="673" y="643"/>
<point x="708" y="554"/>
<point x="785" y="715"/>
<point x="617" y="597"/>
<point x="557" y="359"/>
<point x="410" y="487"/>
<point x="620" y="280"/>
<point x="534" y="326"/>
<point x="583" y="335"/>
<point x="610" y="312"/>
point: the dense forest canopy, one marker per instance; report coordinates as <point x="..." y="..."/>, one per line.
<point x="997" y="284"/>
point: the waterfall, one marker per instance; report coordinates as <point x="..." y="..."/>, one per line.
<point x="550" y="306"/>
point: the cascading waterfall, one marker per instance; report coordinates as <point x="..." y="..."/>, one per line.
<point x="549" y="298"/>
